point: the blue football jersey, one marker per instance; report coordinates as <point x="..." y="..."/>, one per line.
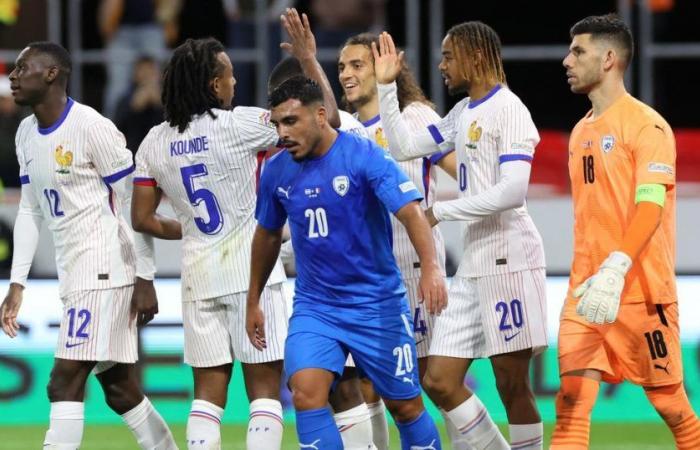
<point x="338" y="208"/>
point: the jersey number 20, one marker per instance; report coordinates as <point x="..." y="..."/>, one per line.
<point x="318" y="223"/>
<point x="197" y="196"/>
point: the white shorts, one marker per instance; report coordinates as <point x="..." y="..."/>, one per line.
<point x="215" y="329"/>
<point x="95" y="327"/>
<point x="493" y="315"/>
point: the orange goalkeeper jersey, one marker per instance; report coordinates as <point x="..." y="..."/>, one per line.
<point x="609" y="156"/>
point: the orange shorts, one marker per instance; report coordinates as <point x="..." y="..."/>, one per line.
<point x="642" y="346"/>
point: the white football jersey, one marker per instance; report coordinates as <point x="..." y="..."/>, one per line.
<point x="485" y="134"/>
<point x="422" y="172"/>
<point x="69" y="167"/>
<point x="209" y="175"/>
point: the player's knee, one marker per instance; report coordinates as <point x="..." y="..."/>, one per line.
<point x="569" y="398"/>
<point x="305" y="399"/>
<point x="437" y="387"/>
<point x="121" y="397"/>
<point x="511" y="388"/>
<point x="671" y="402"/>
<point x="405" y="410"/>
<point x="63" y="387"/>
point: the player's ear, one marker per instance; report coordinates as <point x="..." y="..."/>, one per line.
<point x="52" y="74"/>
<point x="321" y="116"/>
<point x="610" y="59"/>
<point x="215" y="85"/>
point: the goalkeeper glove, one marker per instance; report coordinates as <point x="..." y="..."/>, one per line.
<point x="600" y="294"/>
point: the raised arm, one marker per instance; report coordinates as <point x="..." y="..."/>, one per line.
<point x="303" y="48"/>
<point x="404" y="143"/>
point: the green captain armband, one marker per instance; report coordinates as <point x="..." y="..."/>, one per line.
<point x="655" y="193"/>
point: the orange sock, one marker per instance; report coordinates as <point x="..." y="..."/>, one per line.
<point x="575" y="401"/>
<point x="671" y="402"/>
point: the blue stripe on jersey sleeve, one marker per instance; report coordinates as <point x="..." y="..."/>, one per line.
<point x="109" y="179"/>
<point x="435" y="133"/>
<point x="24" y="179"/>
<point x="436" y="157"/>
<point x="514" y="157"/>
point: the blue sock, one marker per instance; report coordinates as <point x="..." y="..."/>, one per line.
<point x="317" y="430"/>
<point x="419" y="434"/>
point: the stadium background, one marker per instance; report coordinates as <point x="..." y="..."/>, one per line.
<point x="535" y="39"/>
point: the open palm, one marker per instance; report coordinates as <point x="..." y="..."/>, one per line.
<point x="387" y="63"/>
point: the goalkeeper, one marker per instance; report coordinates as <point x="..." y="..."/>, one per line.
<point x="620" y="319"/>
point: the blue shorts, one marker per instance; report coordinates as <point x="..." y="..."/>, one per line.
<point x="382" y="347"/>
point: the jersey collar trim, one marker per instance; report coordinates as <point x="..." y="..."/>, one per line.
<point x="491" y="93"/>
<point x="371" y="121"/>
<point x="55" y="125"/>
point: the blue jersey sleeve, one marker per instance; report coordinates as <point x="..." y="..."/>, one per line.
<point x="389" y="183"/>
<point x="269" y="211"/>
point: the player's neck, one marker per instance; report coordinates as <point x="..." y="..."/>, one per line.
<point x="478" y="91"/>
<point x="368" y="110"/>
<point x="605" y="95"/>
<point x="328" y="136"/>
<point x="50" y="109"/>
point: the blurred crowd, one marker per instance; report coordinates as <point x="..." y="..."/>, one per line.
<point x="137" y="35"/>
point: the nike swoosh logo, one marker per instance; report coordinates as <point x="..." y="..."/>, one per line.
<point x="74" y="344"/>
<point x="28" y="161"/>
<point x="508" y="338"/>
<point x="418" y="342"/>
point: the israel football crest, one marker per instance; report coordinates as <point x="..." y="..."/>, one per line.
<point x="341" y="184"/>
<point x="607" y="143"/>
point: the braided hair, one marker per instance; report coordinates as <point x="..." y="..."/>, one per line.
<point x="186" y="81"/>
<point x="407" y="89"/>
<point x="470" y="37"/>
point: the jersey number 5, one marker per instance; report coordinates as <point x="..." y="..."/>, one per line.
<point x="197" y="196"/>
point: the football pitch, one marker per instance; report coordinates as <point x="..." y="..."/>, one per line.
<point x="604" y="436"/>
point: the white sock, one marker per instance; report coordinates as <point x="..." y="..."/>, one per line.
<point x="265" y="425"/>
<point x="380" y="427"/>
<point x="65" y="426"/>
<point x="355" y="428"/>
<point x="526" y="437"/>
<point x="455" y="438"/>
<point x="204" y="426"/>
<point x="148" y="427"/>
<point x="476" y="427"/>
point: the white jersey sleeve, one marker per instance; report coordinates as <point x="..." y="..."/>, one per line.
<point x="406" y="143"/>
<point x="27" y="227"/>
<point x="253" y="127"/>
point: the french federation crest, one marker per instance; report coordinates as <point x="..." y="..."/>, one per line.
<point x="341" y="185"/>
<point x="607" y="143"/>
<point x="64" y="159"/>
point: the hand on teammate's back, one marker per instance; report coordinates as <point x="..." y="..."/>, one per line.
<point x="10" y="309"/>
<point x="387" y="63"/>
<point x="303" y="43"/>
<point x="432" y="290"/>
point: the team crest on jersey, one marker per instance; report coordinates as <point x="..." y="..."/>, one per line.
<point x="474" y="134"/>
<point x="341" y="185"/>
<point x="64" y="159"/>
<point x="380" y="139"/>
<point x="607" y="143"/>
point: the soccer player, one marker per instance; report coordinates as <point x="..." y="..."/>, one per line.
<point x="73" y="168"/>
<point x="620" y="318"/>
<point x="336" y="189"/>
<point x="204" y="158"/>
<point x="351" y="413"/>
<point x="497" y="298"/>
<point x="356" y="75"/>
